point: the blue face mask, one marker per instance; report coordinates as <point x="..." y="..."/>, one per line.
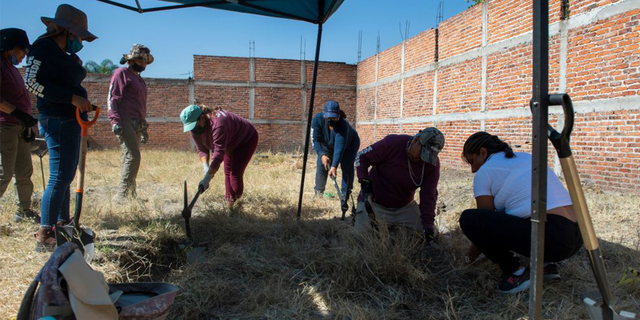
<point x="73" y="46"/>
<point x="14" y="60"/>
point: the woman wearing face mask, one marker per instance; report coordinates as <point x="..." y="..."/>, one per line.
<point x="501" y="224"/>
<point x="127" y="113"/>
<point x="16" y="122"/>
<point x="54" y="75"/>
<point x="336" y="144"/>
<point x="221" y="136"/>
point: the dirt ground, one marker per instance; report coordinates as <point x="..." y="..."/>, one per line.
<point x="262" y="263"/>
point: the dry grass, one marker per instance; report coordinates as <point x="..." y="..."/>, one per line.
<point x="263" y="264"/>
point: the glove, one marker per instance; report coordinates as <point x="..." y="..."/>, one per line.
<point x="367" y="188"/>
<point x="429" y="235"/>
<point x="204" y="183"/>
<point x="145" y="137"/>
<point x="26" y="120"/>
<point x="205" y="167"/>
<point x="29" y="135"/>
<point x="117" y="129"/>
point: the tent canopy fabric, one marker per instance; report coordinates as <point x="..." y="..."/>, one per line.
<point x="313" y="11"/>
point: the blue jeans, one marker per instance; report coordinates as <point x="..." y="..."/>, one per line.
<point x="63" y="141"/>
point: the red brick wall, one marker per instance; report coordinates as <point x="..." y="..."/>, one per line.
<point x="211" y="68"/>
<point x="459" y="87"/>
<point x="460" y="33"/>
<point x="418" y="95"/>
<point x="420" y="50"/>
<point x="601" y="72"/>
<point x="603" y="59"/>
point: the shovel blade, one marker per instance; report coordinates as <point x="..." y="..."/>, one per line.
<point x="602" y="312"/>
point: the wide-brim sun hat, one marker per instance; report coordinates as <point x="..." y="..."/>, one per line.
<point x="189" y="117"/>
<point x="138" y="51"/>
<point x="72" y="19"/>
<point x="432" y="142"/>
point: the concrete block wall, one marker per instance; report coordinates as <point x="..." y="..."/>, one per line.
<point x="476" y="75"/>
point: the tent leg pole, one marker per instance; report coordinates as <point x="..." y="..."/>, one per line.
<point x="310" y="117"/>
<point x="540" y="109"/>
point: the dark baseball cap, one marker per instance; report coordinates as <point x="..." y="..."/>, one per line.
<point x="13" y="37"/>
<point x="331" y="109"/>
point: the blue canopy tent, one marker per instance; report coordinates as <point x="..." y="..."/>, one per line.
<point x="313" y="11"/>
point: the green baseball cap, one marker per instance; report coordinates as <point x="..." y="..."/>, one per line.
<point x="189" y="117"/>
<point x="432" y="141"/>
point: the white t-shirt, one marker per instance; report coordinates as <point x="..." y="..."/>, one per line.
<point x="508" y="180"/>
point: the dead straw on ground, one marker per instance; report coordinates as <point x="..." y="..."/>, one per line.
<point x="261" y="263"/>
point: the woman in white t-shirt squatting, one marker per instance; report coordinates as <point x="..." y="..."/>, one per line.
<point x="501" y="225"/>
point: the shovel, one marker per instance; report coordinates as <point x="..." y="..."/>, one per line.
<point x="343" y="202"/>
<point x="186" y="211"/>
<point x="560" y="141"/>
<point x="39" y="147"/>
<point x="72" y="232"/>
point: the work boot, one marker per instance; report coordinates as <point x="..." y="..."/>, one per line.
<point x="45" y="240"/>
<point x="26" y="215"/>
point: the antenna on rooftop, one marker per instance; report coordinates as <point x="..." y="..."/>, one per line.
<point x="359" y="45"/>
<point x="439" y="13"/>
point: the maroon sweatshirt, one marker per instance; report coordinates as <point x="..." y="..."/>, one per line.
<point x="127" y="96"/>
<point x="12" y="90"/>
<point x="389" y="174"/>
<point x="223" y="134"/>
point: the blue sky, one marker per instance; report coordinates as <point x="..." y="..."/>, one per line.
<point x="174" y="36"/>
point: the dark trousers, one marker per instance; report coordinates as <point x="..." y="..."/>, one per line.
<point x="498" y="235"/>
<point x="348" y="170"/>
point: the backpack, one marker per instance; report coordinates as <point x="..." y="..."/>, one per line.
<point x="84" y="294"/>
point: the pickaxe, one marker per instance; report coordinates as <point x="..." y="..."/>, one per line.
<point x="186" y="211"/>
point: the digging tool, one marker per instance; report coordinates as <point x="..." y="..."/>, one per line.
<point x="41" y="150"/>
<point x="560" y="141"/>
<point x="343" y="202"/>
<point x="186" y="211"/>
<point x="73" y="233"/>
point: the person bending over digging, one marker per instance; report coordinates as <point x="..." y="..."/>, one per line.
<point x="336" y="143"/>
<point x="225" y="137"/>
<point x="127" y="113"/>
<point x="16" y="123"/>
<point x="54" y="74"/>
<point x="501" y="224"/>
<point x="390" y="171"/>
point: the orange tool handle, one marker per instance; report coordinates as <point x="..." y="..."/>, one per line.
<point x="85" y="125"/>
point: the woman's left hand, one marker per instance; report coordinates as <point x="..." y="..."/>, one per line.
<point x="333" y="172"/>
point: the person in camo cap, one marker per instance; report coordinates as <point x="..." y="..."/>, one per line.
<point x="16" y="122"/>
<point x="390" y="171"/>
<point x="127" y="113"/>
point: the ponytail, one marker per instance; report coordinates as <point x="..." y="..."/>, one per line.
<point x="492" y="143"/>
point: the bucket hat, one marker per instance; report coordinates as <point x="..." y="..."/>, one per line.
<point x="138" y="51"/>
<point x="13" y="37"/>
<point x="72" y="19"/>
<point x="432" y="142"/>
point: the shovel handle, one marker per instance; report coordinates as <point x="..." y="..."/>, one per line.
<point x="86" y="125"/>
<point x="560" y="140"/>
